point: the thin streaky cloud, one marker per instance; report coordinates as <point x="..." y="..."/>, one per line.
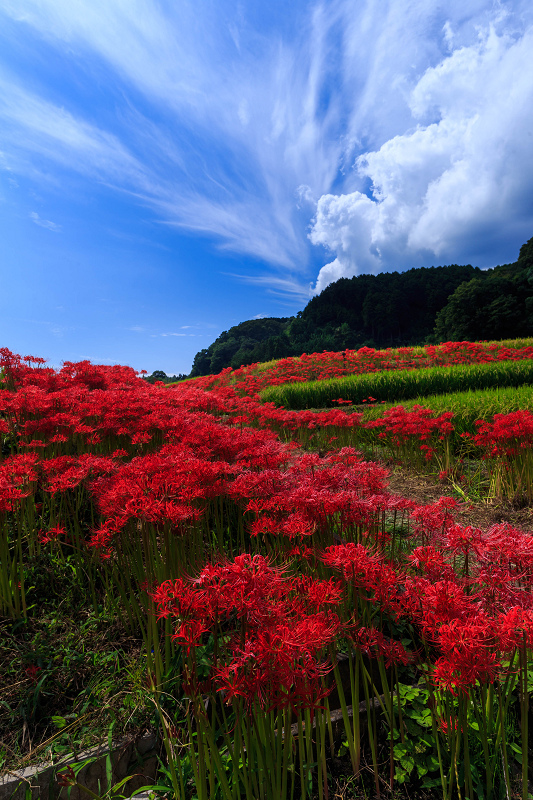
<point x="257" y="106"/>
<point x="44" y="223"/>
<point x="276" y="285"/>
<point x="233" y="129"/>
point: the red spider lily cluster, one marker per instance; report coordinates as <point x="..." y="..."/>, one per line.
<point x="275" y="625"/>
<point x="507" y="444"/>
<point x="506" y="435"/>
<point x="322" y="366"/>
<point x="199" y="501"/>
<point x="399" y="427"/>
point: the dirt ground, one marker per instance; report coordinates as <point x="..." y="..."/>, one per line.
<point x="425" y="490"/>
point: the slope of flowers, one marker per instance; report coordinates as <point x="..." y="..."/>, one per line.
<point x="249" y="566"/>
<point x="417" y="435"/>
<point x="323" y="366"/>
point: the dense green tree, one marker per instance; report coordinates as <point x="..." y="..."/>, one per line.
<point x="427" y="304"/>
<point x="201" y="363"/>
<point x="496" y="305"/>
<point x="159" y="375"/>
<point x="237" y="346"/>
<point x="525" y="256"/>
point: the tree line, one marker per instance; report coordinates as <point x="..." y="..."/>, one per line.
<point x="424" y="305"/>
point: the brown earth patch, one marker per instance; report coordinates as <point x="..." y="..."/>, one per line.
<point x="425" y="490"/>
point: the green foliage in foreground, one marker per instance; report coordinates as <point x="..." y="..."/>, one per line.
<point x="68" y="670"/>
<point x="397" y="385"/>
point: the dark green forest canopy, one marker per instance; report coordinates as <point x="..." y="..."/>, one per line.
<point x="419" y="306"/>
<point x="232" y="348"/>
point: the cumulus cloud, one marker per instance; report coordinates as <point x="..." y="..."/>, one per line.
<point x="235" y="122"/>
<point x="462" y="175"/>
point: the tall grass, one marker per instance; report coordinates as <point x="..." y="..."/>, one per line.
<point x="395" y="386"/>
<point x="466" y="407"/>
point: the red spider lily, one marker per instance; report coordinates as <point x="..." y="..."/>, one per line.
<point x="51" y="534"/>
<point x="67" y="778"/>
<point x="67" y="472"/>
<point x="18" y="476"/>
<point x="371" y="573"/>
<point x="400" y="427"/>
<point x="272" y="654"/>
<point x="506" y="434"/>
<point x="434" y="519"/>
<point x="374" y="644"/>
<point x="432" y="563"/>
<point x="322" y="366"/>
<point x="161" y="472"/>
<point x="432" y="604"/>
<point x="465" y="540"/>
<point x="32" y="672"/>
<point x="460" y="672"/>
<point x="514" y="629"/>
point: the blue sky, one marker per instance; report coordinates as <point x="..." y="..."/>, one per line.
<point x="169" y="168"/>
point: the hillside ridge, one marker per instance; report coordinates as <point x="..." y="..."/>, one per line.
<point x="423" y="305"/>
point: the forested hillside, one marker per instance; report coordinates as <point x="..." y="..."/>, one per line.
<point x="234" y="347"/>
<point x="422" y="305"/>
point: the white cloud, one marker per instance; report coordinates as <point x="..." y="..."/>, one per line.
<point x="44" y="223"/>
<point x="38" y="126"/>
<point x="179" y="334"/>
<point x="463" y="174"/>
<point x="276" y="285"/>
<point x="228" y="134"/>
<point x="235" y="128"/>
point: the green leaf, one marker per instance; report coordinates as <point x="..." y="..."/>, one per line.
<point x="432" y="762"/>
<point x="427" y="741"/>
<point x="400" y="750"/>
<point x="517" y="750"/>
<point x="412" y="726"/>
<point x="431" y="783"/>
<point x="408" y="763"/>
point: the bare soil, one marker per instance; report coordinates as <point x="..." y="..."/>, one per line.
<point x="426" y="489"/>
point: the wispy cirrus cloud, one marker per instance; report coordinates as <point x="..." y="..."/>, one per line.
<point x="289" y="286"/>
<point x="246" y="124"/>
<point x="219" y="127"/>
<point x="44" y="223"/>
